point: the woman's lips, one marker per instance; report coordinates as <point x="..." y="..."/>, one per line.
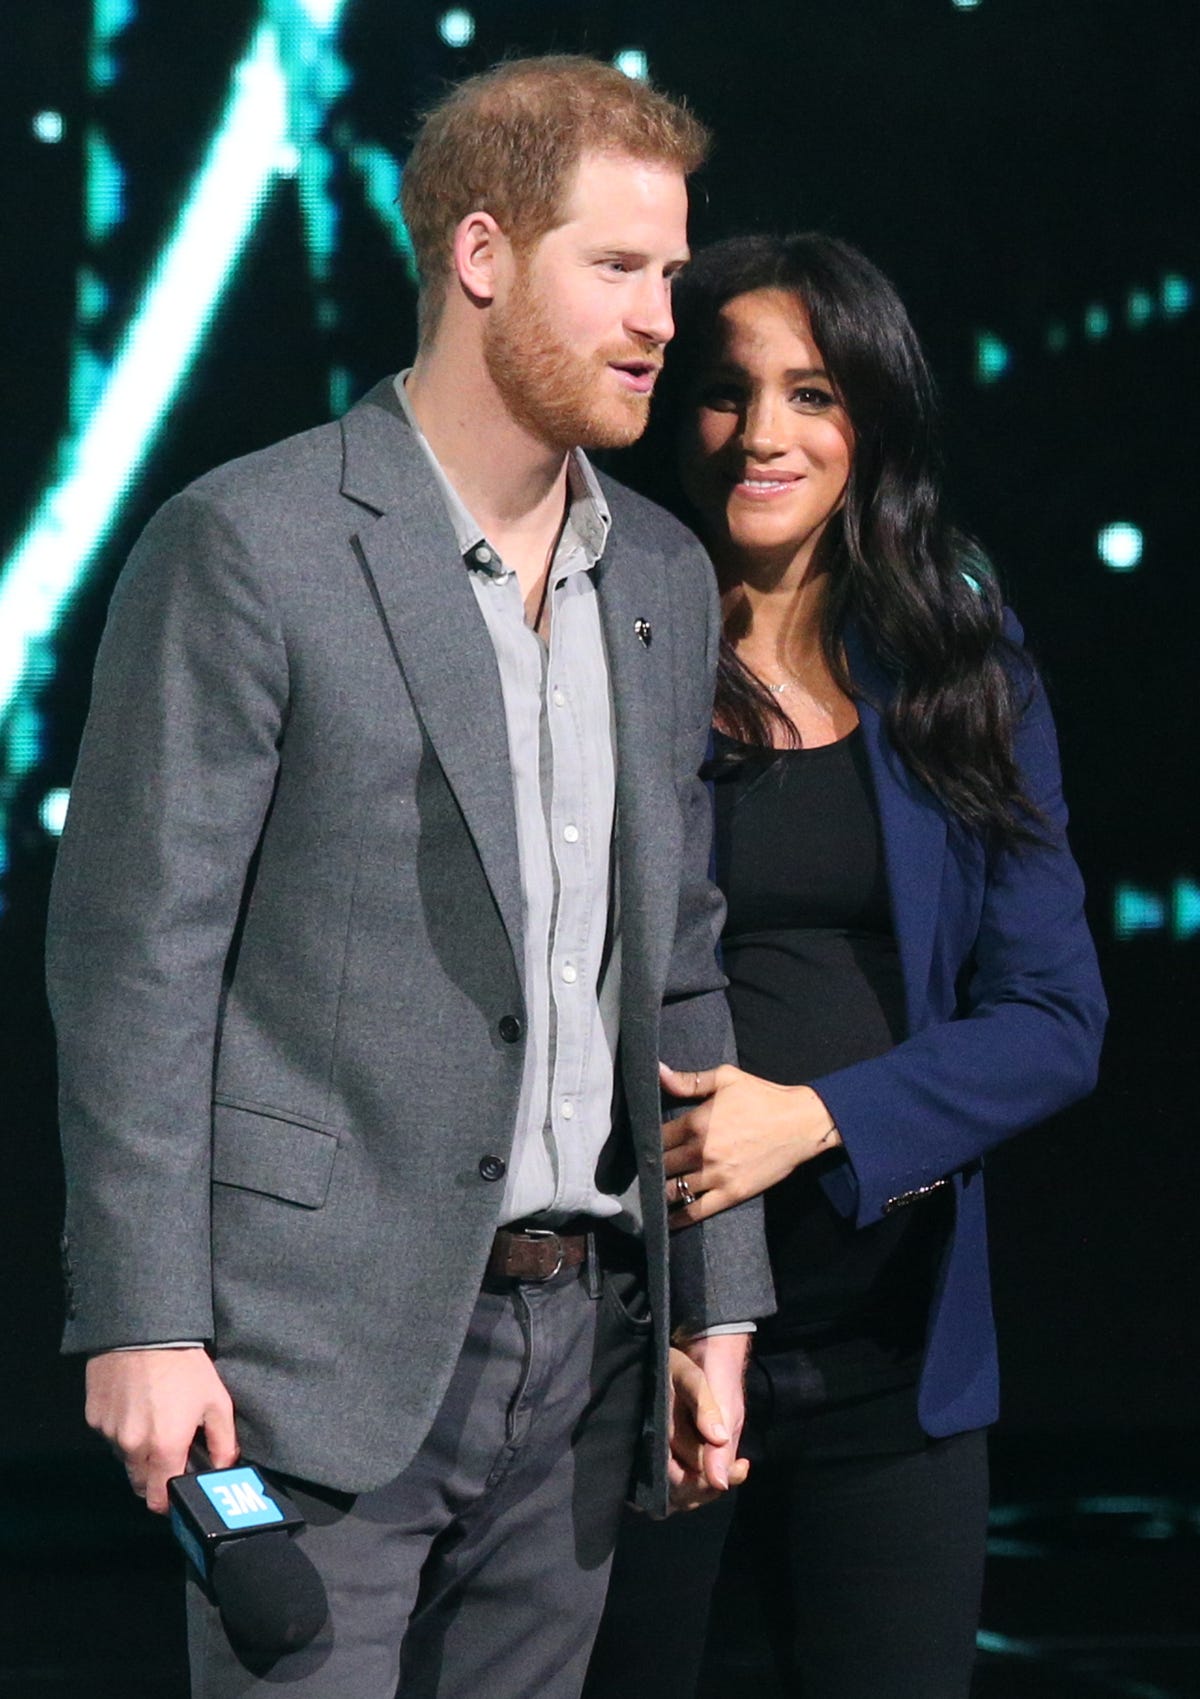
<point x="764" y="488"/>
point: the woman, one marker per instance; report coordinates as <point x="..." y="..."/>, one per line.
<point x="911" y="980"/>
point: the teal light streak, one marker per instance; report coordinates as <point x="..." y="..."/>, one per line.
<point x="155" y="354"/>
<point x="1096" y="322"/>
<point x="277" y="106"/>
<point x="380" y="174"/>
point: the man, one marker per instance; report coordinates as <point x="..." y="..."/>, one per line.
<point x="383" y="891"/>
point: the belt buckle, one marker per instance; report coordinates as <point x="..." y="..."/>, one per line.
<point x="546" y="1233"/>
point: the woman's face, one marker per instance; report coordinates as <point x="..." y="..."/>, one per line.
<point x="767" y="445"/>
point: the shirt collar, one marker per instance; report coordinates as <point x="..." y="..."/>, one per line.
<point x="588" y="519"/>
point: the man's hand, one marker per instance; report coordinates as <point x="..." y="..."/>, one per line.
<point x="744" y="1136"/>
<point x="149" y="1405"/>
<point x="707" y="1409"/>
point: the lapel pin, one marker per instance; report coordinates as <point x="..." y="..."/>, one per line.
<point x="642" y="631"/>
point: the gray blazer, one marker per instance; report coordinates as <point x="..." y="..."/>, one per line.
<point x="285" y="941"/>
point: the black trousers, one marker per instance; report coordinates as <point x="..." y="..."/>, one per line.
<point x="857" y="1578"/>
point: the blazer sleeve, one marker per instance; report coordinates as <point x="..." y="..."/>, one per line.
<point x="720" y="1271"/>
<point x="173" y="783"/>
<point x="1025" y="1041"/>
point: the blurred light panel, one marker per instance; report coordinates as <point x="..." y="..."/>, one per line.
<point x="1175" y="294"/>
<point x="1120" y="546"/>
<point x="457" y="27"/>
<point x="1056" y="338"/>
<point x="1136" y="911"/>
<point x="992" y="357"/>
<point x="1139" y="308"/>
<point x="1185" y="909"/>
<point x="1096" y="322"/>
<point x="49" y="127"/>
<point x="634" y="63"/>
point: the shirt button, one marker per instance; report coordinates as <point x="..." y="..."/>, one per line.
<point x="560" y="700"/>
<point x="491" y="1168"/>
<point x="571" y="834"/>
<point x="566" y="1109"/>
<point x="510" y="1029"/>
<point x="569" y="973"/>
<point x="483" y="554"/>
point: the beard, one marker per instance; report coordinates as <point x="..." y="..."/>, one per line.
<point x="565" y="398"/>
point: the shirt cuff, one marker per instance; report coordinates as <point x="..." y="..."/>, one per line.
<point x="163" y="1345"/>
<point x="720" y="1328"/>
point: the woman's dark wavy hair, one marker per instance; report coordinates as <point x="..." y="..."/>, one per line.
<point x="922" y="593"/>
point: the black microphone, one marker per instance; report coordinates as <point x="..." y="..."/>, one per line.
<point x="237" y="1533"/>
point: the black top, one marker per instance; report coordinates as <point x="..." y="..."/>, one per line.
<point x="815" y="985"/>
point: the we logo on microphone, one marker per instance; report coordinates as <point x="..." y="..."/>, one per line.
<point x="239" y="1498"/>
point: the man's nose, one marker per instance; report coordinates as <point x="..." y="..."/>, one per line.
<point x="650" y="314"/>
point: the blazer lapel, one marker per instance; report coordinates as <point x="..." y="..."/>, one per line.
<point x="629" y="598"/>
<point x="913" y="826"/>
<point x="438" y="634"/>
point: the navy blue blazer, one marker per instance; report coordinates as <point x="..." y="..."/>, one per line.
<point x="1005" y="1014"/>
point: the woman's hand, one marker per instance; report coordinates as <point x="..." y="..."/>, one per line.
<point x="745" y="1135"/>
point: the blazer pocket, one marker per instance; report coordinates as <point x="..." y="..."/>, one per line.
<point x="264" y="1153"/>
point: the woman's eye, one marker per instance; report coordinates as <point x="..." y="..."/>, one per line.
<point x="720" y="398"/>
<point x="813" y="400"/>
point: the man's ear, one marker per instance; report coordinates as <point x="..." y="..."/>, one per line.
<point x="482" y="256"/>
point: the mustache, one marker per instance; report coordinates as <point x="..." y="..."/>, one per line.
<point x="645" y="353"/>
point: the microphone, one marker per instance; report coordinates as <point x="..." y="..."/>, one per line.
<point x="237" y="1534"/>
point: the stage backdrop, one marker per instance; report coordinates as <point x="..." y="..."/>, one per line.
<point x="204" y="252"/>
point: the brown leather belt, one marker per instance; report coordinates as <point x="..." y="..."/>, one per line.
<point x="535" y="1253"/>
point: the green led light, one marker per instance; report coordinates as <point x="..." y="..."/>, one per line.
<point x="111" y="17"/>
<point x="633" y="63"/>
<point x="457" y="27"/>
<point x="1185" y="909"/>
<point x="1136" y="911"/>
<point x="992" y="358"/>
<point x="1056" y="338"/>
<point x="53" y="812"/>
<point x="1175" y="294"/>
<point x="49" y="126"/>
<point x="1139" y="308"/>
<point x="105" y="189"/>
<point x="1120" y="546"/>
<point x="1096" y="322"/>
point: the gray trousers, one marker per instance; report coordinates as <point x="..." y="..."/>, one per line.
<point x="481" y="1569"/>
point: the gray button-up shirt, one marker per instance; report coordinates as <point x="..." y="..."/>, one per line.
<point x="561" y="743"/>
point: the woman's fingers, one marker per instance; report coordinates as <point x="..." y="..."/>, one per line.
<point x="700" y="1082"/>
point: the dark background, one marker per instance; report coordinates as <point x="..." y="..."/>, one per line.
<point x="1011" y="165"/>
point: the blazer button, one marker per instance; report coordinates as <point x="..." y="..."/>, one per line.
<point x="510" y="1029"/>
<point x="491" y="1167"/>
